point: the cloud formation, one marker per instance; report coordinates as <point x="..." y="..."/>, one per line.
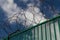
<point x="31" y="15"/>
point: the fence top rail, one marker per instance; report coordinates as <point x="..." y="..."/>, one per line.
<point x="19" y="32"/>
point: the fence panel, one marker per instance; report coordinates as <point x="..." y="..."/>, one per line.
<point x="49" y="30"/>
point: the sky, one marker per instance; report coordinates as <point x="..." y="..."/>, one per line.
<point x="26" y="13"/>
<point x="22" y="11"/>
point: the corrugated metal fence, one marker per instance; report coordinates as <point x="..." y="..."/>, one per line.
<point x="48" y="30"/>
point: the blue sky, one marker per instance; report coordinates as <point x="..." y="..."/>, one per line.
<point x="19" y="14"/>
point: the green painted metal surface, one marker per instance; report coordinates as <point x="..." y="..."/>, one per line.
<point x="48" y="30"/>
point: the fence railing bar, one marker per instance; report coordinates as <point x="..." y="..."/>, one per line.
<point x="59" y="24"/>
<point x="50" y="30"/>
<point x="38" y="32"/>
<point x="31" y="34"/>
<point x="54" y="30"/>
<point x="24" y="37"/>
<point x="34" y="33"/>
<point x="45" y="32"/>
<point x="41" y="33"/>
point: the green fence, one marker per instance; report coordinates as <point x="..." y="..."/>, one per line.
<point x="48" y="30"/>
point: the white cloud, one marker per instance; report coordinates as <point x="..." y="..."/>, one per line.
<point x="31" y="15"/>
